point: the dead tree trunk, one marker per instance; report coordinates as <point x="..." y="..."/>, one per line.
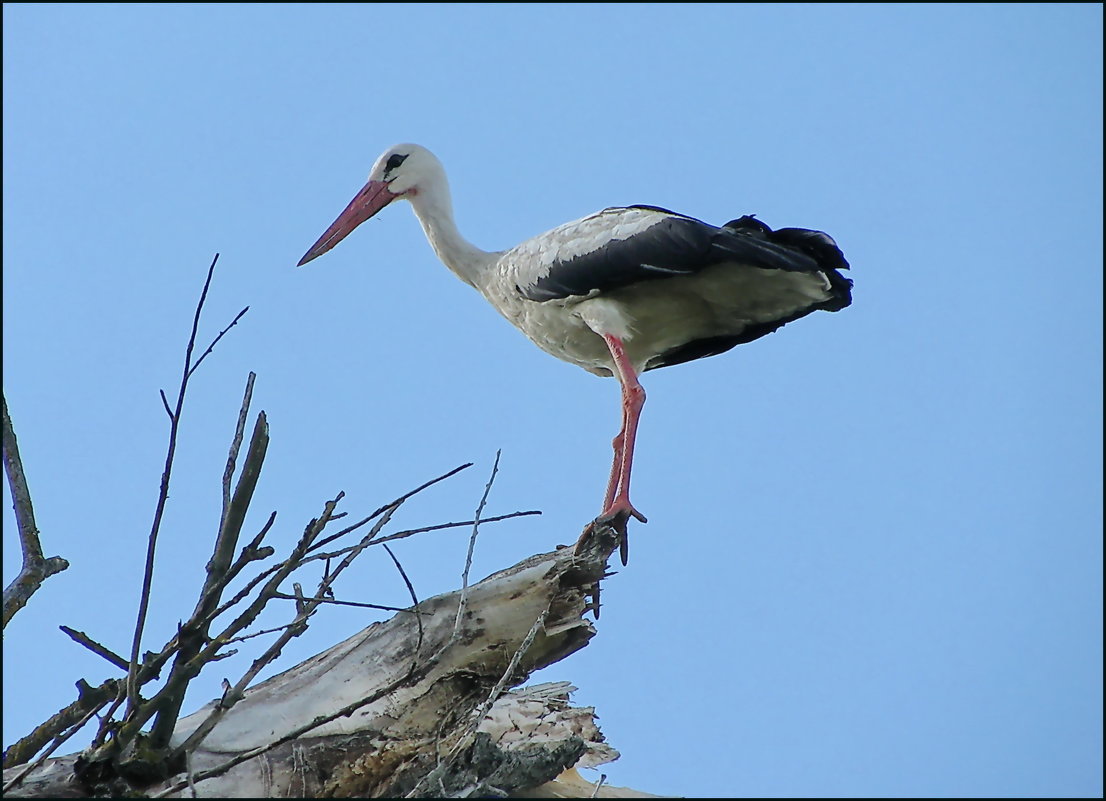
<point x="417" y="706"/>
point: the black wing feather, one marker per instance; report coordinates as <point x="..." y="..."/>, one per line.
<point x="681" y="245"/>
<point x="816" y="245"/>
<point x="674" y="246"/>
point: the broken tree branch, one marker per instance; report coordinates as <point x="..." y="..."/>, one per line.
<point x="236" y="444"/>
<point x="100" y="650"/>
<point x="88" y="698"/>
<point x="193" y="635"/>
<point x="36" y="568"/>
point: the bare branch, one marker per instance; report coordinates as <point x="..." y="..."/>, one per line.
<point x="246" y="618"/>
<point x="460" y="524"/>
<point x="235" y="516"/>
<point x="215" y="341"/>
<point x="61" y="738"/>
<point x="416" y="672"/>
<point x="193" y="634"/>
<point x="308" y="608"/>
<point x="107" y="720"/>
<point x="236" y="444"/>
<point x="298" y="597"/>
<point x="302" y="600"/>
<point x="165" y="403"/>
<point x="100" y="650"/>
<point x="399" y="535"/>
<point x="472" y="545"/>
<point x="89" y="699"/>
<point x="252" y="552"/>
<point x="163" y="497"/>
<point x="396" y="502"/>
<point x="261" y="633"/>
<point x="36" y="568"/>
<point x="414" y="598"/>
<point x="305" y="609"/>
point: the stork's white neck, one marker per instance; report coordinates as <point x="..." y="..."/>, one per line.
<point x="434" y="208"/>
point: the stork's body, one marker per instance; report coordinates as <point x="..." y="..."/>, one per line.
<point x="621" y="291"/>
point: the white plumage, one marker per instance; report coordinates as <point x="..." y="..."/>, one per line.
<point x="620" y="291"/>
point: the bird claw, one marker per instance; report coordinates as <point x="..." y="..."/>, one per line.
<point x="616" y="518"/>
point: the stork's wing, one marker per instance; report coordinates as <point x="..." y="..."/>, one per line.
<point x="623" y="246"/>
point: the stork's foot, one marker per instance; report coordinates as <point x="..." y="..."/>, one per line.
<point x="619" y="513"/>
<point x="616" y="517"/>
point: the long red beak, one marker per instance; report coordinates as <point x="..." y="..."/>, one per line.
<point x="374" y="196"/>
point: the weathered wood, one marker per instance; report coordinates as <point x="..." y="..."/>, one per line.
<point x="412" y="703"/>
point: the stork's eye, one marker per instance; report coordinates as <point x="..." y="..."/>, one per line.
<point x="394" y="161"/>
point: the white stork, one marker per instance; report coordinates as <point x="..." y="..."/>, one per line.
<point x="621" y="291"/>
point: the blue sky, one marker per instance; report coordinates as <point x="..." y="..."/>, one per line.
<point x="873" y="562"/>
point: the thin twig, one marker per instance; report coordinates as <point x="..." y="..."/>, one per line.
<point x="387" y="506"/>
<point x="373" y="539"/>
<point x="107" y="721"/>
<point x="598" y="784"/>
<point x="262" y="633"/>
<point x="302" y="599"/>
<point x="252" y="552"/>
<point x="399" y="535"/>
<point x="461" y="524"/>
<point x="165" y="403"/>
<point x="163" y="497"/>
<point x="414" y="598"/>
<point x="463" y="602"/>
<point x="215" y="341"/>
<point x="245" y="591"/>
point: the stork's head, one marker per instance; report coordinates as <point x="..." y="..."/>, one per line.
<point x="400" y="172"/>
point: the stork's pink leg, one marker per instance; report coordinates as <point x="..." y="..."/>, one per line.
<point x="616" y="466"/>
<point x="617" y="502"/>
<point x="617" y="509"/>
